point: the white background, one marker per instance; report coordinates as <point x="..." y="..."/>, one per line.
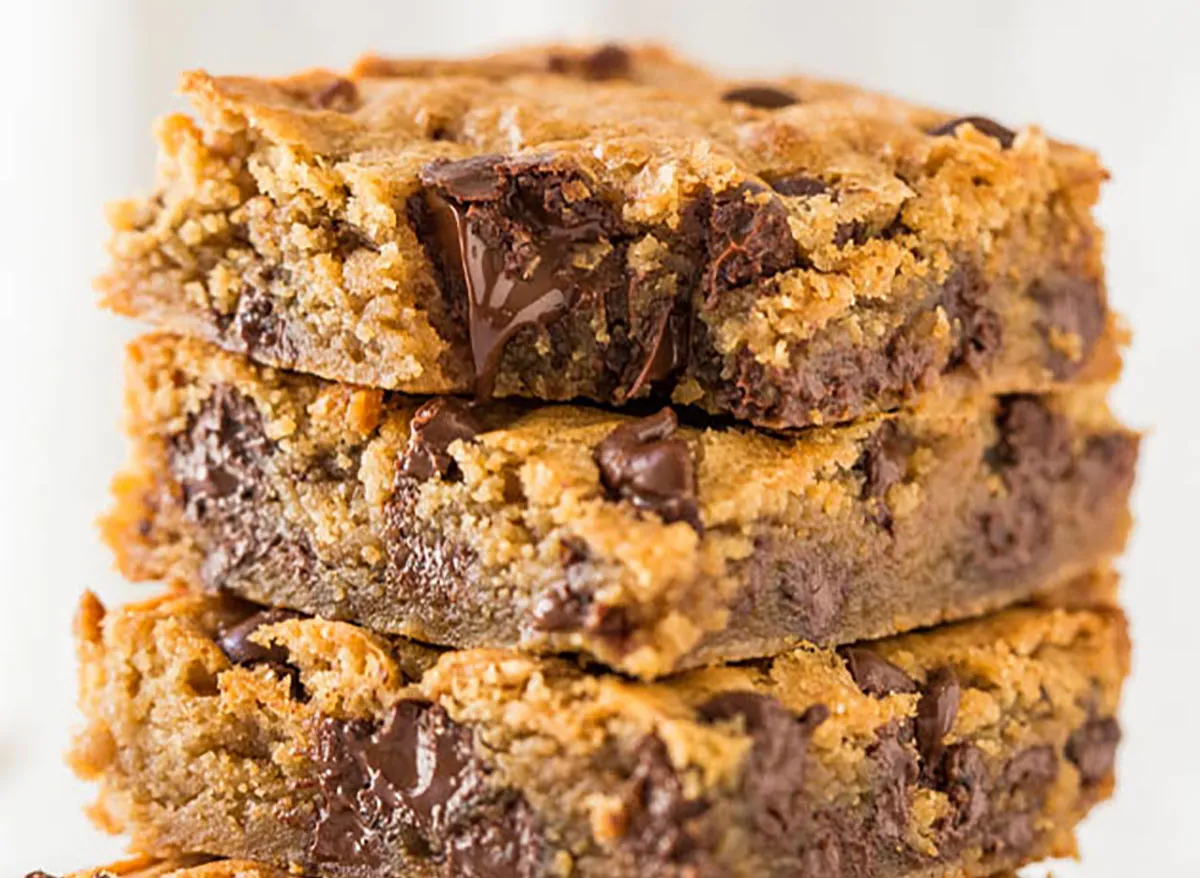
<point x="81" y="82"/>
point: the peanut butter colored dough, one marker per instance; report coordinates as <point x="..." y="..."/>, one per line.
<point x="617" y="224"/>
<point x="656" y="547"/>
<point x="963" y="750"/>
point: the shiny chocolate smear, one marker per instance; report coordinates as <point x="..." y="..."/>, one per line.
<point x="501" y="302"/>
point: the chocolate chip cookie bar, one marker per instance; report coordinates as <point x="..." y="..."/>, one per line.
<point x="618" y="225"/>
<point x="321" y="747"/>
<point x="641" y="541"/>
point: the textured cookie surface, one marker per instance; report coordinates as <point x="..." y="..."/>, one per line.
<point x="318" y="746"/>
<point x="617" y="224"/>
<point x="643" y="542"/>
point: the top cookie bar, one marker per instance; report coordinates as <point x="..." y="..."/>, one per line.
<point x="614" y="224"/>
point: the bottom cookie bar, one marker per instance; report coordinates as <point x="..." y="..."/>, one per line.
<point x="319" y="747"/>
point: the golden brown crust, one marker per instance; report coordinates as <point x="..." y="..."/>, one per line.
<point x="195" y="740"/>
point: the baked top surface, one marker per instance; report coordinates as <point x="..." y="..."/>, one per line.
<point x="748" y="254"/>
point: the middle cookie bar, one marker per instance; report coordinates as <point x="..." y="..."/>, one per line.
<point x="643" y="543"/>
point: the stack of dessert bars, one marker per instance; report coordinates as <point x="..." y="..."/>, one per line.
<point x="571" y="463"/>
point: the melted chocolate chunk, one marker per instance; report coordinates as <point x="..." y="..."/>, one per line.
<point x="981" y="124"/>
<point x="894" y="772"/>
<point x="979" y="332"/>
<point x="641" y="462"/>
<point x="508" y="231"/>
<point x="748" y="239"/>
<point x="874" y="674"/>
<point x="1032" y="454"/>
<point x="503" y="843"/>
<point x="772" y="782"/>
<point x="217" y="462"/>
<point x="935" y="715"/>
<point x="764" y="97"/>
<point x="962" y="776"/>
<point x="412" y="781"/>
<point x="434" y="427"/>
<point x="883" y="464"/>
<point x="658" y="812"/>
<point x="1092" y="749"/>
<point x="1072" y="312"/>
<point x="799" y="185"/>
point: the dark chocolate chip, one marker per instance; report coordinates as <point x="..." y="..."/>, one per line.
<point x="874" y="674"/>
<point x="979" y="332"/>
<point x="962" y="776"/>
<point x="235" y="641"/>
<point x="412" y="780"/>
<point x="340" y="95"/>
<point x="256" y="329"/>
<point x="799" y="185"/>
<point x="884" y="463"/>
<point x="435" y="426"/>
<point x="1031" y="771"/>
<point x="1092" y="749"/>
<point x="640" y="461"/>
<point x="1069" y="307"/>
<point x="658" y="811"/>
<point x="560" y="609"/>
<point x="773" y="776"/>
<point x="981" y="124"/>
<point x="764" y="97"/>
<point x="853" y="232"/>
<point x="610" y="61"/>
<point x="894" y="771"/>
<point x="935" y="714"/>
<point x="503" y="843"/>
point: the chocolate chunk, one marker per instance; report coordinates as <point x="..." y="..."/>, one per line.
<point x="503" y="843"/>
<point x="610" y="61"/>
<point x="764" y="97"/>
<point x="799" y="185"/>
<point x="1092" y="749"/>
<point x="235" y="641"/>
<point x="935" y="714"/>
<point x="981" y="124"/>
<point x="1031" y="771"/>
<point x="340" y="95"/>
<point x="962" y="776"/>
<point x="883" y="463"/>
<point x="412" y="780"/>
<point x="560" y="609"/>
<point x="640" y="462"/>
<point x="894" y="771"/>
<point x="874" y="674"/>
<point x="217" y="462"/>
<point x="749" y="238"/>
<point x="773" y="776"/>
<point x="1072" y="318"/>
<point x="979" y="333"/>
<point x="257" y="331"/>
<point x="434" y="427"/>
<point x="658" y="811"/>
<point x="509" y="230"/>
<point x="478" y="178"/>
